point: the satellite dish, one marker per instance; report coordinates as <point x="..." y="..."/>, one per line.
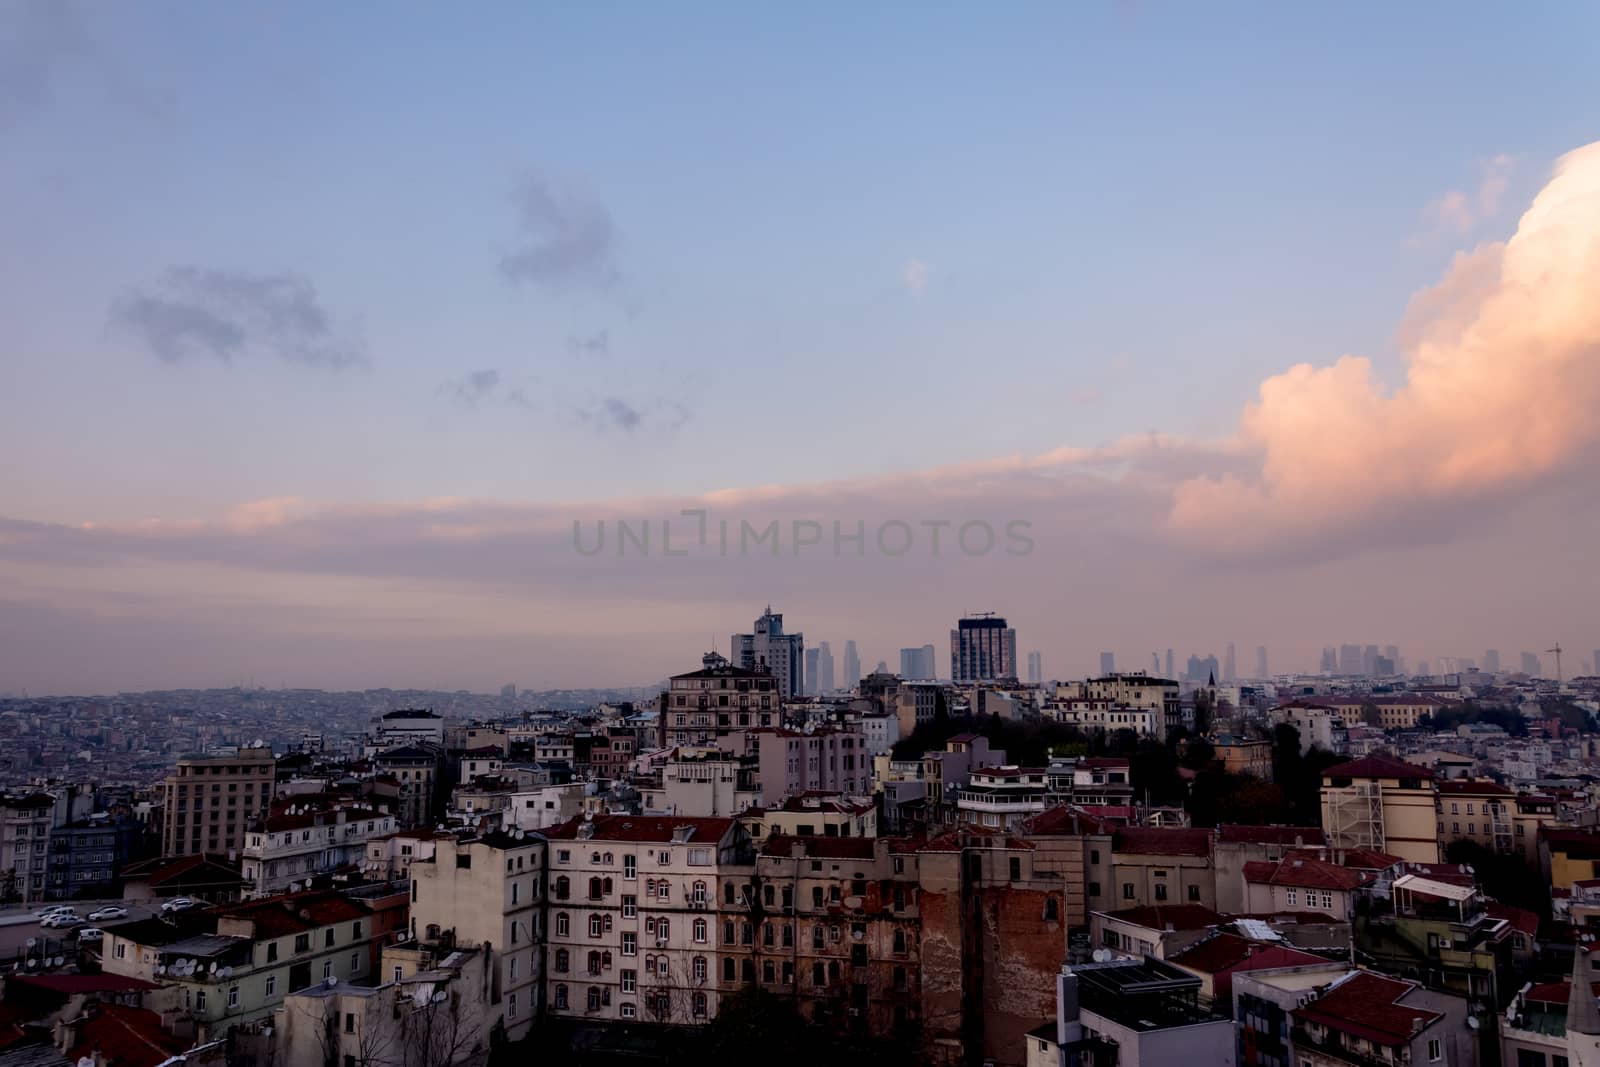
<point x="226" y="972"/>
<point x="32" y="942"/>
<point x="58" y="961"/>
<point x="33" y="963"/>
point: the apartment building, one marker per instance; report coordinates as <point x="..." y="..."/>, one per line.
<point x="415" y="769"/>
<point x="1372" y="1018"/>
<point x="1162" y="865"/>
<point x="25" y="823"/>
<point x="1135" y="691"/>
<point x="1003" y="797"/>
<point x="791" y="762"/>
<point x="632" y="917"/>
<point x="816" y="815"/>
<point x="717" y="704"/>
<point x="1383" y="804"/>
<point x="237" y="963"/>
<point x="304" y="836"/>
<point x="209" y="800"/>
<point x="486" y="892"/>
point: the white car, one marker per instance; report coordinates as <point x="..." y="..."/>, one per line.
<point x="59" y="920"/>
<point x="107" y="913"/>
<point x="54" y="909"/>
<point x="91" y="933"/>
<point x="179" y="904"/>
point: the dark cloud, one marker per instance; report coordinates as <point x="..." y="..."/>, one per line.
<point x="213" y="314"/>
<point x="598" y="344"/>
<point x="483" y="386"/>
<point x="620" y="413"/>
<point x="566" y="238"/>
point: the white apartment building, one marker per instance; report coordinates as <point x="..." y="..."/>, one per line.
<point x="880" y="732"/>
<point x="633" y="917"/>
<point x="704" y="783"/>
<point x="486" y="892"/>
<point x="1003" y="797"/>
<point x="414" y="726"/>
<point x="550" y="805"/>
<point x="1135" y="690"/>
<point x="303" y="838"/>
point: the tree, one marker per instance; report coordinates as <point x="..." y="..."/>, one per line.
<point x="435" y="1033"/>
<point x="1370" y="714"/>
<point x="1202" y="710"/>
<point x="756" y="1026"/>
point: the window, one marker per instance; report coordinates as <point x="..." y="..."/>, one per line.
<point x="699" y="968"/>
<point x="630" y="981"/>
<point x="664" y="857"/>
<point x="630" y="867"/>
<point x="355" y="963"/>
<point x="561" y="997"/>
<point x="899" y="942"/>
<point x="630" y="907"/>
<point x="563" y="924"/>
<point x="1016" y="869"/>
<point x="563" y="961"/>
<point x="349" y="1022"/>
<point x="1291" y="896"/>
<point x="630" y="943"/>
<point x="699" y="1005"/>
<point x="233" y="997"/>
<point x="302" y="942"/>
<point x="1127" y="890"/>
<point x="1094" y="889"/>
<point x="594" y="889"/>
<point x="327" y="968"/>
<point x="1434" y="1050"/>
<point x="663" y="890"/>
<point x="563" y="888"/>
<point x="596" y="927"/>
<point x="563" y="856"/>
<point x="1161" y="891"/>
<point x="700" y="931"/>
<point x="272" y="951"/>
<point x="594" y="963"/>
<point x="511" y="1009"/>
<point x="1051" y="912"/>
<point x="629" y="1011"/>
<point x="200" y="1000"/>
<point x="121" y="952"/>
<point x="1194" y="894"/>
<point x="728" y="972"/>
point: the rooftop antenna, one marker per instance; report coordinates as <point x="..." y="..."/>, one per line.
<point x="1557" y="651"/>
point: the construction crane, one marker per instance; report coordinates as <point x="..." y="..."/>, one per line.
<point x="1557" y="651"/>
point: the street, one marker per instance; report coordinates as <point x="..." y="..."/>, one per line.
<point x="14" y="935"/>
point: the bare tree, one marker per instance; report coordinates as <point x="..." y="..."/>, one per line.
<point x="434" y="1033"/>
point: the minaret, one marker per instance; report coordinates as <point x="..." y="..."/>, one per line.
<point x="1583" y="1014"/>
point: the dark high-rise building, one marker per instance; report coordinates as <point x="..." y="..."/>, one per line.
<point x="852" y="665"/>
<point x="783" y="654"/>
<point x="1330" y="660"/>
<point x="1201" y="670"/>
<point x="1108" y="664"/>
<point x="1261" y="662"/>
<point x="813" y="660"/>
<point x="1230" y="666"/>
<point x="1035" y="669"/>
<point x="1491" y="660"/>
<point x="917" y="663"/>
<point x="1531" y="665"/>
<point x="1369" y="660"/>
<point x="982" y="649"/>
<point x="1170" y="667"/>
<point x="1350" y="659"/>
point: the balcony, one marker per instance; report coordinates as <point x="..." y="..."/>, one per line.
<point x="1331" y="1046"/>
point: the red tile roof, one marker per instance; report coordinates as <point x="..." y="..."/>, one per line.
<point x="1228" y="952"/>
<point x="1063" y="820"/>
<point x="1162" y="841"/>
<point x="656" y="829"/>
<point x="1368" y="1006"/>
<point x="1521" y="919"/>
<point x="1377" y="767"/>
<point x="1272" y="835"/>
<point x="125" y="1037"/>
<point x="1305" y="872"/>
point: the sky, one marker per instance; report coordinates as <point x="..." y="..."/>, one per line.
<point x="322" y="326"/>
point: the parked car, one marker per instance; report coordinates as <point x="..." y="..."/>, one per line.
<point x="179" y="904"/>
<point x="59" y="920"/>
<point x="91" y="933"/>
<point x="54" y="909"/>
<point x="107" y="913"/>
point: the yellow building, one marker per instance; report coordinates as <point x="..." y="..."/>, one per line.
<point x="1384" y="804"/>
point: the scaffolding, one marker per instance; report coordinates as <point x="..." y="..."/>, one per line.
<point x="1355" y="816"/>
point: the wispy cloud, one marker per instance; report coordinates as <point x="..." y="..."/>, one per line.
<point x="565" y="237"/>
<point x="46" y="43"/>
<point x="1460" y="211"/>
<point x="199" y="313"/>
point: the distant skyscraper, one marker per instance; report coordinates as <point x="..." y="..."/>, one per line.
<point x="825" y="668"/>
<point x="783" y="654"/>
<point x="1530" y="665"/>
<point x="1369" y="660"/>
<point x="1230" y="667"/>
<point x="982" y="649"/>
<point x="1035" y="669"/>
<point x="1201" y="670"/>
<point x="1169" y="673"/>
<point x="1393" y="652"/>
<point x="1595" y="665"/>
<point x="1350" y="659"/>
<point x="917" y="663"/>
<point x="1330" y="660"/>
<point x="1155" y="664"/>
<point x="1422" y="667"/>
<point x="1108" y="664"/>
<point x="1261" y="662"/>
<point x="852" y="666"/>
<point x="813" y="661"/>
